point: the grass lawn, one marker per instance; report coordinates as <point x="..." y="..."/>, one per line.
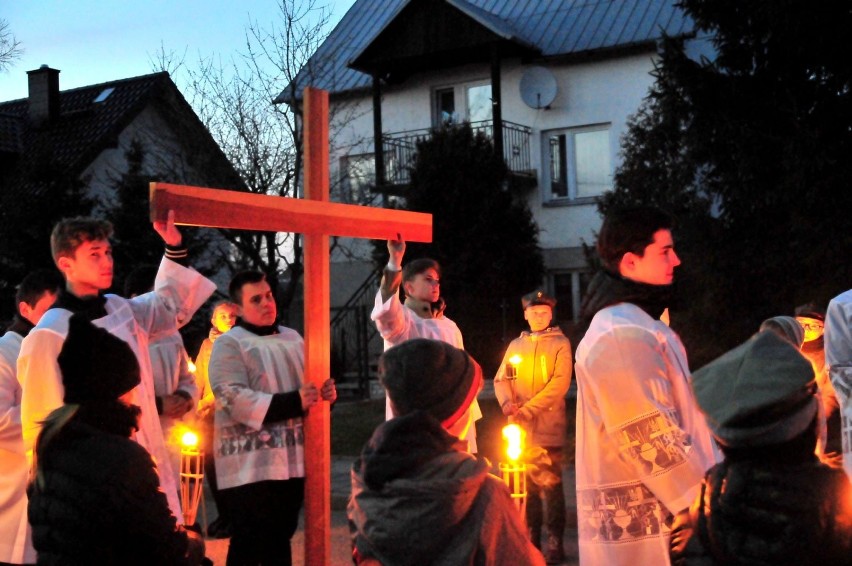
<point x="352" y="424"/>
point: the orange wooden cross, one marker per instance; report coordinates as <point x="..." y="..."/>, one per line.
<point x="317" y="219"/>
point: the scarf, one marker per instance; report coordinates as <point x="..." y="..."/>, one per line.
<point x="92" y="307"/>
<point x="607" y="289"/>
<point x="259" y="330"/>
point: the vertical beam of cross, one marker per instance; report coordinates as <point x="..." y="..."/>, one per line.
<point x="318" y="331"/>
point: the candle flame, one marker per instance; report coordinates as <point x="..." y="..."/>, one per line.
<point x="515" y="360"/>
<point x="190" y="365"/>
<point x="514" y="436"/>
<point x="189" y="439"/>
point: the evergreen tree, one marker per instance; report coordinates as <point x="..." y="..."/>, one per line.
<point x="33" y="201"/>
<point x="483" y="237"/>
<point x="750" y="150"/>
<point x="136" y="244"/>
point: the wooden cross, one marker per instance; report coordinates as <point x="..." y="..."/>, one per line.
<point x="317" y="219"/>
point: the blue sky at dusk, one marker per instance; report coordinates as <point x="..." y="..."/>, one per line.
<point x="94" y="41"/>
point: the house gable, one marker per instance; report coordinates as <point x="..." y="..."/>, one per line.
<point x="556" y="29"/>
<point x="435" y="34"/>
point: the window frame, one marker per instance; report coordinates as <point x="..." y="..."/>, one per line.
<point x="460" y="100"/>
<point x="568" y="161"/>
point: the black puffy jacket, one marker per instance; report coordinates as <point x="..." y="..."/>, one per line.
<point x="767" y="513"/>
<point x="97" y="500"/>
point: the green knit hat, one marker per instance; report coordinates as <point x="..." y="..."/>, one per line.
<point x="760" y="393"/>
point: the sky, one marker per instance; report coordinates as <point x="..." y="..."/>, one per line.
<point x="94" y="41"/>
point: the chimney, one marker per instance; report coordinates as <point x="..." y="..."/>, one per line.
<point x="43" y="95"/>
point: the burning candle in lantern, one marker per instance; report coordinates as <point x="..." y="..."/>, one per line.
<point x="514" y="470"/>
<point x="191" y="474"/>
<point x="514" y="437"/>
<point x="512" y="367"/>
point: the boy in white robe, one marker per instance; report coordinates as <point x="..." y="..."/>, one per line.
<point x="175" y="390"/>
<point x="642" y="444"/>
<point x="34" y="296"/>
<point x="257" y="376"/>
<point x="83" y="254"/>
<point x="422" y="315"/>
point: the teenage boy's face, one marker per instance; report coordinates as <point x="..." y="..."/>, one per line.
<point x="657" y="264"/>
<point x="424" y="286"/>
<point x="224" y="318"/>
<point x="90" y="270"/>
<point x="814" y="328"/>
<point x="258" y="304"/>
<point x="538" y="317"/>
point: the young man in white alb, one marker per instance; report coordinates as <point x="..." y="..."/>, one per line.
<point x="422" y="314"/>
<point x="83" y="253"/>
<point x="34" y="296"/>
<point x="257" y="376"/>
<point x="642" y="445"/>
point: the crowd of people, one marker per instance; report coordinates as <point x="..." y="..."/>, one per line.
<point x="745" y="461"/>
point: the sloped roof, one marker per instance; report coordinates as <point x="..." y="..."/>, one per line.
<point x="553" y="27"/>
<point x="84" y="128"/>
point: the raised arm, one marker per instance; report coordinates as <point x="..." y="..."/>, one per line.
<point x="392" y="275"/>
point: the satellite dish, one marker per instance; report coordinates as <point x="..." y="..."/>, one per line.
<point x="538" y="87"/>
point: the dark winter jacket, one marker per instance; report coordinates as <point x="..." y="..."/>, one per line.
<point x="417" y="500"/>
<point x="97" y="500"/>
<point x="767" y="513"/>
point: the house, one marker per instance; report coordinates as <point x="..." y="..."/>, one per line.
<point x="553" y="82"/>
<point x="82" y="137"/>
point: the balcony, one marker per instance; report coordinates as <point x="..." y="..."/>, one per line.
<point x="401" y="147"/>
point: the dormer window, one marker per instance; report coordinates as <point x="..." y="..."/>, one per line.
<point x="103" y="95"/>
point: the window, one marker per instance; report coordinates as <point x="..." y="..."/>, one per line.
<point x="479" y="103"/>
<point x="476" y="108"/>
<point x="445" y="106"/>
<point x="357" y="177"/>
<point x="103" y="95"/>
<point x="569" y="288"/>
<point x="577" y="163"/>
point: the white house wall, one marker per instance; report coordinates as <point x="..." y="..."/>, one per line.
<point x="589" y="93"/>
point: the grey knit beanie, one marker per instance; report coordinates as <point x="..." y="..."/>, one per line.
<point x="760" y="393"/>
<point x="431" y="376"/>
<point x="786" y="327"/>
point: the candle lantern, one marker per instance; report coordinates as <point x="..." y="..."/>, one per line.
<point x="191" y="476"/>
<point x="514" y="470"/>
<point x="512" y="367"/>
<point x="512" y="375"/>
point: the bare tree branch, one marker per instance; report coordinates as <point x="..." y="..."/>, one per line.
<point x="10" y="47"/>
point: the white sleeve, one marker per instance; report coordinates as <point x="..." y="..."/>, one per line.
<point x="838" y="331"/>
<point x="392" y="319"/>
<point x="178" y="292"/>
<point x="40" y="379"/>
<point x="10" y="407"/>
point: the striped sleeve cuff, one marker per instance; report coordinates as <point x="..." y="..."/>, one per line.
<point x="178" y="254"/>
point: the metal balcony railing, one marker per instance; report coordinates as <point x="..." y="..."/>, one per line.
<point x="352" y="333"/>
<point x="400" y="148"/>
